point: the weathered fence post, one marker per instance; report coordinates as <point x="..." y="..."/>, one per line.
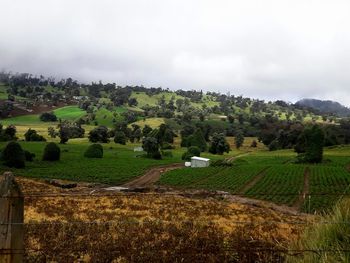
<point x="11" y="220"/>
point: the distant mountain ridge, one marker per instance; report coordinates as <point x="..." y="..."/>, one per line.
<point x="325" y="106"/>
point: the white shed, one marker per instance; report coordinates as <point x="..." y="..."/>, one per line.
<point x="199" y="162"/>
<point x="138" y="149"/>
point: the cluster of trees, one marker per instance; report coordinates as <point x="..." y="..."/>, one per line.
<point x="33" y="136"/>
<point x="66" y="130"/>
<point x="48" y="117"/>
<point x="277" y="134"/>
<point x="14" y="156"/>
<point x="8" y="133"/>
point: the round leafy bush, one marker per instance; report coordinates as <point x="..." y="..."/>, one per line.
<point x="94" y="151"/>
<point x="13" y="155"/>
<point x="32" y="135"/>
<point x="194" y="150"/>
<point x="120" y="137"/>
<point x="29" y="156"/>
<point x="167" y="154"/>
<point x="167" y="146"/>
<point x="52" y="152"/>
<point x="156" y="155"/>
<point x="48" y="116"/>
<point x="191" y="151"/>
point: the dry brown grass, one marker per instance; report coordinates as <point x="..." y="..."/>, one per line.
<point x="150" y="228"/>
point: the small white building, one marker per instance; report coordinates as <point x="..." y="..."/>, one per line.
<point x="199" y="162"/>
<point x="138" y="149"/>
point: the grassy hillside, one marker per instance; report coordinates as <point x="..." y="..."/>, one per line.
<point x="144" y="99"/>
<point x="70" y="113"/>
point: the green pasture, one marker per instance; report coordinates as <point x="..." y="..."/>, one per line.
<point x="65" y="113"/>
<point x="119" y="164"/>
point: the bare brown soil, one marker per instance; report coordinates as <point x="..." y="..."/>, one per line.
<point x="152" y="176"/>
<point x="37" y="109"/>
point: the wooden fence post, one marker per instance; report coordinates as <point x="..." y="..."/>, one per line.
<point x="11" y="220"/>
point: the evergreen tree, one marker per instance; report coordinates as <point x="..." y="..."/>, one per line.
<point x="120" y="137"/>
<point x="219" y="145"/>
<point x="239" y="139"/>
<point x="197" y="139"/>
<point x="310" y="145"/>
<point x="13" y="155"/>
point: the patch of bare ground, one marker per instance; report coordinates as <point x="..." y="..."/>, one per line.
<point x="152" y="175"/>
<point x="250" y="184"/>
<point x="233" y="158"/>
<point x="301" y="199"/>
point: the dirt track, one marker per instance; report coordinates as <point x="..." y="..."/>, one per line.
<point x="152" y="175"/>
<point x="299" y="202"/>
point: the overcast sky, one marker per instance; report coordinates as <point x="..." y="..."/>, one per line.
<point x="267" y="49"/>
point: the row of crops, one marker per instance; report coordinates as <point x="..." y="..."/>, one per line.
<point x="274" y="179"/>
<point x="327" y="185"/>
<point x="213" y="178"/>
<point x="281" y="184"/>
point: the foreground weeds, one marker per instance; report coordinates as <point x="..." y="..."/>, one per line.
<point x="152" y="228"/>
<point x="146" y="241"/>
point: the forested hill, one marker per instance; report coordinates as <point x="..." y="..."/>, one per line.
<point x="325" y="107"/>
<point x="109" y="107"/>
<point x="23" y="93"/>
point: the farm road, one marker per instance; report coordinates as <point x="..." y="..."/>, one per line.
<point x="231" y="159"/>
<point x="299" y="202"/>
<point x="152" y="175"/>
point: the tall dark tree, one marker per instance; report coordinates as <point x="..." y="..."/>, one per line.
<point x="219" y="145"/>
<point x="239" y="139"/>
<point x="198" y="140"/>
<point x="310" y="145"/>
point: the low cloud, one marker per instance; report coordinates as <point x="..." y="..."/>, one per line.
<point x="263" y="49"/>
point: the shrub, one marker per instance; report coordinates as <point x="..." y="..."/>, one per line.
<point x="254" y="144"/>
<point x="197" y="139"/>
<point x="167" y="146"/>
<point x="273" y="146"/>
<point x="219" y="145"/>
<point x="156" y="155"/>
<point x="310" y="145"/>
<point x="167" y="154"/>
<point x="94" y="151"/>
<point x="52" y="152"/>
<point x="120" y="137"/>
<point x="13" y="155"/>
<point x="48" y="116"/>
<point x="151" y="146"/>
<point x="29" y="156"/>
<point x="8" y="134"/>
<point x="33" y="136"/>
<point x="99" y="134"/>
<point x="192" y="151"/>
<point x="239" y="139"/>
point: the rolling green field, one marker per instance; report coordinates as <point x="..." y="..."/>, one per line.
<point x="70" y="113"/>
<point x="118" y="165"/>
